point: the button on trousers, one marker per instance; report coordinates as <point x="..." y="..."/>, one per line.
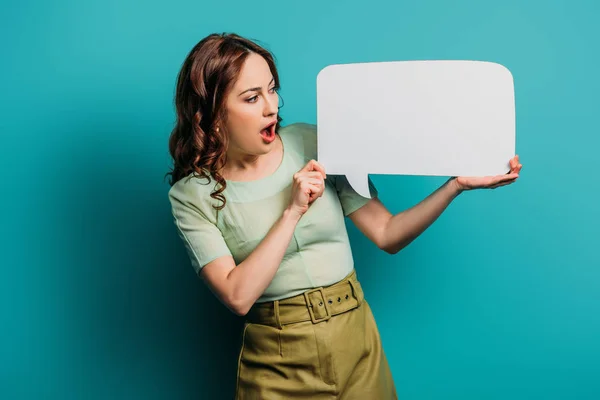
<point x="322" y="344"/>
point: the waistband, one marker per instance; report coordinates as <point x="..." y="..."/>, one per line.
<point x="316" y="305"/>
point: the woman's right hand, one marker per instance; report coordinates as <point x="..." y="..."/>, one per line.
<point x="309" y="184"/>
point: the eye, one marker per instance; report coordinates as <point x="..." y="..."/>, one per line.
<point x="253" y="99"/>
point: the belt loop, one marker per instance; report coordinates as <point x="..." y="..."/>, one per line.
<point x="277" y="316"/>
<point x="356" y="293"/>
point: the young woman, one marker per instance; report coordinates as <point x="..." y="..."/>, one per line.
<point x="264" y="227"/>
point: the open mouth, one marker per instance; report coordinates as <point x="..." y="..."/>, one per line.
<point x="268" y="133"/>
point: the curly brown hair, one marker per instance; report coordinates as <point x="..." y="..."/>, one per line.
<point x="207" y="75"/>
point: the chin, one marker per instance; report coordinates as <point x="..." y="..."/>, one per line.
<point x="265" y="149"/>
<point x="259" y="150"/>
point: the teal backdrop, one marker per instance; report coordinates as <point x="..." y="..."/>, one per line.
<point x="499" y="299"/>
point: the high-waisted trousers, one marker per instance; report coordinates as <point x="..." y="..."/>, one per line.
<point x="321" y="345"/>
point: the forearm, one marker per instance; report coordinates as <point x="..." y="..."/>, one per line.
<point x="403" y="228"/>
<point x="251" y="277"/>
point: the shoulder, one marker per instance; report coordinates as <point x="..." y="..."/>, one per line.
<point x="303" y="137"/>
<point x="301" y="129"/>
<point x="193" y="193"/>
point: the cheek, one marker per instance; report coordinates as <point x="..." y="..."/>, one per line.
<point x="242" y="122"/>
<point x="247" y="116"/>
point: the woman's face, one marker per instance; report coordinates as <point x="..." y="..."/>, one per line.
<point x="251" y="107"/>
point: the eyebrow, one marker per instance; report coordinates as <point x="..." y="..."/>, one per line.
<point x="255" y="89"/>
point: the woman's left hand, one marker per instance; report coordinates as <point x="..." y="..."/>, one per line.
<point x="491" y="182"/>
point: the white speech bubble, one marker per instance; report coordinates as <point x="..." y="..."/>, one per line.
<point x="440" y="118"/>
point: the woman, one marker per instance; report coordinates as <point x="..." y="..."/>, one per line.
<point x="264" y="228"/>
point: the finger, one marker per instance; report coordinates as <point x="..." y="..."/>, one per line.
<point x="313" y="165"/>
<point x="321" y="190"/>
<point x="302" y="175"/>
<point x="314" y="181"/>
<point x="502" y="184"/>
<point x="314" y="193"/>
<point x="497" y="186"/>
<point x="515" y="165"/>
<point x="310" y="166"/>
<point x="507" y="177"/>
<point x="319" y="167"/>
<point x="311" y="186"/>
<point x="307" y="189"/>
<point x="313" y="174"/>
<point x="318" y="182"/>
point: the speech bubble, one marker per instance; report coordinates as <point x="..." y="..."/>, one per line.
<point x="436" y="118"/>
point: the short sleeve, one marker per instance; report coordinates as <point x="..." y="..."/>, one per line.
<point x="349" y="198"/>
<point x="203" y="240"/>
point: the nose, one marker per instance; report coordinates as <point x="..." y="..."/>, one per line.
<point x="271" y="104"/>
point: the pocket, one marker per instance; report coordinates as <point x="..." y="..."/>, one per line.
<point x="322" y="337"/>
<point x="239" y="367"/>
<point x="261" y="343"/>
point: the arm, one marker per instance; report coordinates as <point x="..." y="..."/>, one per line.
<point x="238" y="287"/>
<point x="390" y="232"/>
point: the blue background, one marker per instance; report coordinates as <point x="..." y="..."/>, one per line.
<point x="499" y="299"/>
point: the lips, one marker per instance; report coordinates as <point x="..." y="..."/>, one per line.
<point x="270" y="125"/>
<point x="268" y="132"/>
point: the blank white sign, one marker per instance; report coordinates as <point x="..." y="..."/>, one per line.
<point x="442" y="118"/>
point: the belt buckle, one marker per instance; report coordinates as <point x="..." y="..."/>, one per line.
<point x="310" y="309"/>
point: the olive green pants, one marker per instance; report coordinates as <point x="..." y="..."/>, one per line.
<point x="322" y="344"/>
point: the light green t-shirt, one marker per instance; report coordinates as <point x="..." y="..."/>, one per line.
<point x="319" y="253"/>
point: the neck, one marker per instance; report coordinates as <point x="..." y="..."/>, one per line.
<point x="243" y="162"/>
<point x="244" y="166"/>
